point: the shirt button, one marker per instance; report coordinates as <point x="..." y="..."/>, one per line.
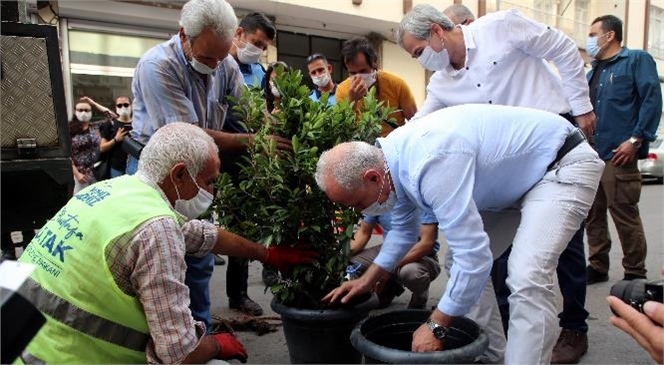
<point x="478" y="85"/>
<point x="490" y="102"/>
<point x="467" y="68"/>
<point x="495" y="63"/>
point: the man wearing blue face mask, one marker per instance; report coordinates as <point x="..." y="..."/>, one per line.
<point x="626" y="94"/>
<point x="188" y="79"/>
<point x="361" y="62"/>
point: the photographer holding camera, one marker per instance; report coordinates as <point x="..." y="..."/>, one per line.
<point x="643" y="324"/>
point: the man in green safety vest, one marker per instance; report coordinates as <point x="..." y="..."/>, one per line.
<point x="110" y="274"/>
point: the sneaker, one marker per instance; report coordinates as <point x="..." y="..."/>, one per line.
<point x="218" y="260"/>
<point x="569" y="348"/>
<point x="593" y="276"/>
<point x="245" y="305"/>
<point x="633" y="276"/>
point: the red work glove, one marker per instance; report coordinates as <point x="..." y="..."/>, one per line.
<point x="282" y="257"/>
<point x="230" y="347"/>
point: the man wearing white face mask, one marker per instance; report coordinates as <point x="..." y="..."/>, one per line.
<point x="189" y="79"/>
<point x="471" y="166"/>
<point x="361" y="62"/>
<point x="320" y="72"/>
<point x="252" y="37"/>
<point x="114" y="287"/>
<point x="502" y="58"/>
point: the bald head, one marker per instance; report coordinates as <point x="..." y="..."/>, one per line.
<point x="459" y="14"/>
<point x="346" y="163"/>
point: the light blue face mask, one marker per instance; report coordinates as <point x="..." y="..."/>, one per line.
<point x="591" y="45"/>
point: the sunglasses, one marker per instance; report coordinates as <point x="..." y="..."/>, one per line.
<point x="122" y="105"/>
<point x="83" y="110"/>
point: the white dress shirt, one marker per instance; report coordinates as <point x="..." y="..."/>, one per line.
<point x="455" y="163"/>
<point x="505" y="65"/>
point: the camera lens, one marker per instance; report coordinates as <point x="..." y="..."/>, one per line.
<point x="631" y="292"/>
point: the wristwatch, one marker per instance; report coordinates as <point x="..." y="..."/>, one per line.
<point x="439" y="331"/>
<point x="635" y="142"/>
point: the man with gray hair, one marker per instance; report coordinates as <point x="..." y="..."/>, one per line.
<point x="113" y="288"/>
<point x="476" y="172"/>
<point x="188" y="78"/>
<point x="459" y="14"/>
<point x="502" y="58"/>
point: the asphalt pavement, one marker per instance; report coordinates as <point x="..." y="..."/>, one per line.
<point x="607" y="344"/>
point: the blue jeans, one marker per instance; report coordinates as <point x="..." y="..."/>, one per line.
<point x="199" y="273"/>
<point x="132" y="165"/>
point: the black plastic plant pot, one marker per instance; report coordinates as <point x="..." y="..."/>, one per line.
<point x="320" y="336"/>
<point x="386" y="339"/>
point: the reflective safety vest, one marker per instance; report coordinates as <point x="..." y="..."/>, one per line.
<point x="89" y="319"/>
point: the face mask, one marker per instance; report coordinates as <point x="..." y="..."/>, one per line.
<point x="382" y="208"/>
<point x="249" y="54"/>
<point x="84" y="116"/>
<point x="591" y="46"/>
<point x="194" y="207"/>
<point x="369" y="79"/>
<point x="274" y="90"/>
<point x="200" y="67"/>
<point x="434" y="61"/>
<point x="123" y="112"/>
<point x="321" y="80"/>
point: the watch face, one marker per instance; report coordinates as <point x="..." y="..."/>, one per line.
<point x="440" y="332"/>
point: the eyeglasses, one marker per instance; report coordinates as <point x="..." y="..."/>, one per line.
<point x="83" y="110"/>
<point x="122" y="105"/>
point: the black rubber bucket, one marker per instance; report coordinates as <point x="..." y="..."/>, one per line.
<point x="320" y="336"/>
<point x="386" y="339"/>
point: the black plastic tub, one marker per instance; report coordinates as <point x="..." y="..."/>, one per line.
<point x="386" y="339"/>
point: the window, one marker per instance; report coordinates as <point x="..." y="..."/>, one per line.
<point x="294" y="48"/>
<point x="102" y="65"/>
<point x="544" y="11"/>
<point x="656" y="32"/>
<point x="581" y="26"/>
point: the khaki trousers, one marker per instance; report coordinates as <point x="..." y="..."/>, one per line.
<point x="619" y="192"/>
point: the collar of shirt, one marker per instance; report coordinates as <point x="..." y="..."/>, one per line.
<point x="622" y="54"/>
<point x="469" y="43"/>
<point x="181" y="219"/>
<point x="320" y="93"/>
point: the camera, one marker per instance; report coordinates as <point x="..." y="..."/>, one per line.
<point x="638" y="291"/>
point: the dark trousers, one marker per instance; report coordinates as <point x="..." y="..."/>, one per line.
<point x="571" y="272"/>
<point x="237" y="276"/>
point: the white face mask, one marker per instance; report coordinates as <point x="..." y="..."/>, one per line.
<point x="434" y="61"/>
<point x="369" y="79"/>
<point x="382" y="208"/>
<point x="249" y="54"/>
<point x="200" y="67"/>
<point x="84" y="116"/>
<point x="274" y="90"/>
<point x="194" y="207"/>
<point x="123" y="112"/>
<point x="322" y="80"/>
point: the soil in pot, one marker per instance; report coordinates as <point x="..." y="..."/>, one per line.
<point x="387" y="338"/>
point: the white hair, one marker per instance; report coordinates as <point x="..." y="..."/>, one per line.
<point x="418" y="22"/>
<point x="218" y="15"/>
<point x="346" y="164"/>
<point x="459" y="13"/>
<point x="172" y="144"/>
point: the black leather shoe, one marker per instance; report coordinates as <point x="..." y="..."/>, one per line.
<point x="633" y="276"/>
<point x="245" y="305"/>
<point x="593" y="276"/>
<point x="218" y="260"/>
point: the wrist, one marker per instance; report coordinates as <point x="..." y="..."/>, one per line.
<point x="635" y="141"/>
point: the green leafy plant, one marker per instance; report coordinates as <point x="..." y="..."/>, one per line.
<point x="276" y="201"/>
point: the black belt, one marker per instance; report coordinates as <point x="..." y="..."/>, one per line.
<point x="573" y="139"/>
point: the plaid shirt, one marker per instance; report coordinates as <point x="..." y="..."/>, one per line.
<point x="149" y="263"/>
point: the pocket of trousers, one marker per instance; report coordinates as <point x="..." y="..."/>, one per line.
<point x="628" y="188"/>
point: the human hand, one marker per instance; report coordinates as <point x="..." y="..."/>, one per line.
<point x="81" y="178"/>
<point x="120" y="134"/>
<point x="230" y="347"/>
<point x="358" y="88"/>
<point x="347" y="291"/>
<point x="624" y="154"/>
<point x="425" y="341"/>
<point x="282" y="257"/>
<point x="586" y="123"/>
<point x="642" y="327"/>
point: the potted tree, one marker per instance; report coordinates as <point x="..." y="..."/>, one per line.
<point x="277" y="202"/>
